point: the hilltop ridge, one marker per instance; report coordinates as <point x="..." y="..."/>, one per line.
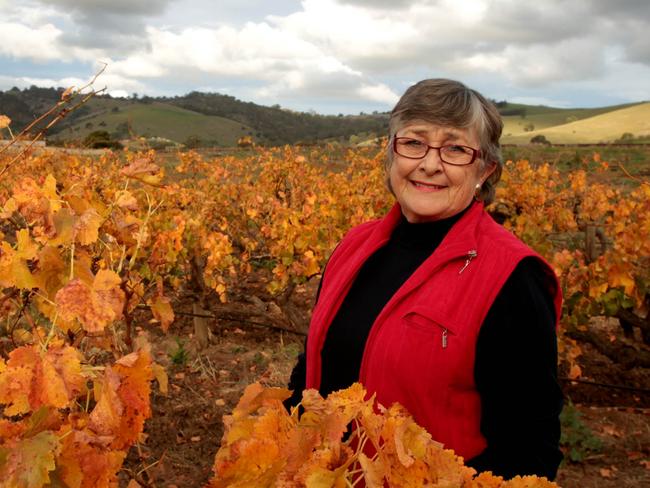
<point x="215" y="119"/>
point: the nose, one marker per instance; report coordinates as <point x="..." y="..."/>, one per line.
<point x="431" y="162"/>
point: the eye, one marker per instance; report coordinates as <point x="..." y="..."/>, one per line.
<point x="456" y="149"/>
<point x="414" y="143"/>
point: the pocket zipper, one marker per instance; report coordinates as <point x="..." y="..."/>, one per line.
<point x="444" y="338"/>
<point x="471" y="254"/>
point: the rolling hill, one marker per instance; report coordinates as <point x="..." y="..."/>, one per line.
<point x="217" y="119"/>
<point x="600" y="127"/>
<point x="159" y="120"/>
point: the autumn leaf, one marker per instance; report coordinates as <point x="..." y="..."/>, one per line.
<point x="105" y="418"/>
<point x="86" y="228"/>
<point x="528" y="482"/>
<point x="4" y="121"/>
<point x="144" y="170"/>
<point x="28" y="462"/>
<point x="86" y="461"/>
<point x="134" y="392"/>
<point x="161" y="307"/>
<point x="95" y="306"/>
<point x="126" y="200"/>
<point x="14" y="270"/>
<point x="33" y="379"/>
<point x="67" y="93"/>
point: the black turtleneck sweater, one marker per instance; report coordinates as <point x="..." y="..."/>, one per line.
<point x="516" y="352"/>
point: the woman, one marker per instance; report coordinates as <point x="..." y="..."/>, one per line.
<point x="436" y="306"/>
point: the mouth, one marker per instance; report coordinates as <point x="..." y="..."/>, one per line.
<point x="427" y="187"/>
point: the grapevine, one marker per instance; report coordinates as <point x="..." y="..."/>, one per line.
<point x="93" y="249"/>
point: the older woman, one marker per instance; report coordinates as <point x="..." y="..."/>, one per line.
<point x="436" y="306"/>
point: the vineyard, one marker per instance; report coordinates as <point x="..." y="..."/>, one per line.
<point x="140" y="293"/>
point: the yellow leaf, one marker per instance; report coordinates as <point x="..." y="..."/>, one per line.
<point x="86" y="228"/>
<point x="26" y="248"/>
<point x="4" y="121"/>
<point x="162" y="311"/>
<point x="161" y="377"/>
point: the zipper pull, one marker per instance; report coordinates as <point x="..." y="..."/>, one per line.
<point x="471" y="254"/>
<point x="444" y="338"/>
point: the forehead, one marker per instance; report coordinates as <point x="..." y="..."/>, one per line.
<point x="434" y="131"/>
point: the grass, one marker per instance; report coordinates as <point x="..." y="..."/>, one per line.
<point x="161" y="120"/>
<point x="601" y="127"/>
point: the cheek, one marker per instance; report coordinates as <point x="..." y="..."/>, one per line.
<point x="398" y="174"/>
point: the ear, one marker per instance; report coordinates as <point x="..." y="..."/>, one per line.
<point x="489" y="169"/>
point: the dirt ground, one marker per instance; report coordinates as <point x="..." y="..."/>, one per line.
<point x="608" y="428"/>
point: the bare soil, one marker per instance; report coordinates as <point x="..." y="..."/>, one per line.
<point x="185" y="431"/>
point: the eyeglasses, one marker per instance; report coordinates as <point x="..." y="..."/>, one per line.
<point x="454" y="154"/>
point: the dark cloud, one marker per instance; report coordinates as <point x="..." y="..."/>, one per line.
<point x="116" y="26"/>
<point x="91" y="8"/>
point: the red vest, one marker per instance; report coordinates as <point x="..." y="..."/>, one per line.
<point x="421" y="348"/>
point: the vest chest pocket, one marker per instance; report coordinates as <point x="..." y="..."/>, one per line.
<point x="430" y="325"/>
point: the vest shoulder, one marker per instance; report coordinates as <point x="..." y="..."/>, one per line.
<point x="361" y="230"/>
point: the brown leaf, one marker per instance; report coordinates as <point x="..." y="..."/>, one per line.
<point x="144" y="170"/>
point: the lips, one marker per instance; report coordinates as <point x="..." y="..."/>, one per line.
<point x="428" y="187"/>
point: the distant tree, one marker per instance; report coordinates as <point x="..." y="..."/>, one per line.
<point x="627" y="137"/>
<point x="89" y="125"/>
<point x="529" y="127"/>
<point x="101" y="139"/>
<point x="115" y="109"/>
<point x="540" y="139"/>
<point x="192" y="142"/>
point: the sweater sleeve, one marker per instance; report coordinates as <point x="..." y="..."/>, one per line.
<point x="298" y="378"/>
<point x="516" y="376"/>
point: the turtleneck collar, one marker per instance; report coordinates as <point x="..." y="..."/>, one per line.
<point x="423" y="235"/>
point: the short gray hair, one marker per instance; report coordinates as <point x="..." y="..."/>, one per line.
<point x="450" y="103"/>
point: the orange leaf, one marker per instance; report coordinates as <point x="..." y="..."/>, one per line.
<point x="94" y="306"/>
<point x="33" y="379"/>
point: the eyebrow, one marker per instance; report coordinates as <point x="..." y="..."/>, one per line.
<point x="448" y="134"/>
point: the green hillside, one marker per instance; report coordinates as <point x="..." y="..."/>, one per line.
<point x="218" y="119"/>
<point x="600" y="127"/>
<point x="156" y="119"/>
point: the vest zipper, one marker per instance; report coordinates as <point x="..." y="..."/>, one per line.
<point x="471" y="254"/>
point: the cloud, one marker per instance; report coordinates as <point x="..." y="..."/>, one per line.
<point x="336" y="51"/>
<point x="379" y="93"/>
<point x="116" y="27"/>
<point x="21" y="41"/>
<point x="121" y="7"/>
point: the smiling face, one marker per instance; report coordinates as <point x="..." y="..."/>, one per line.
<point x="428" y="189"/>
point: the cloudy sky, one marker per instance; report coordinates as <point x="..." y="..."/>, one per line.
<point x="333" y="55"/>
